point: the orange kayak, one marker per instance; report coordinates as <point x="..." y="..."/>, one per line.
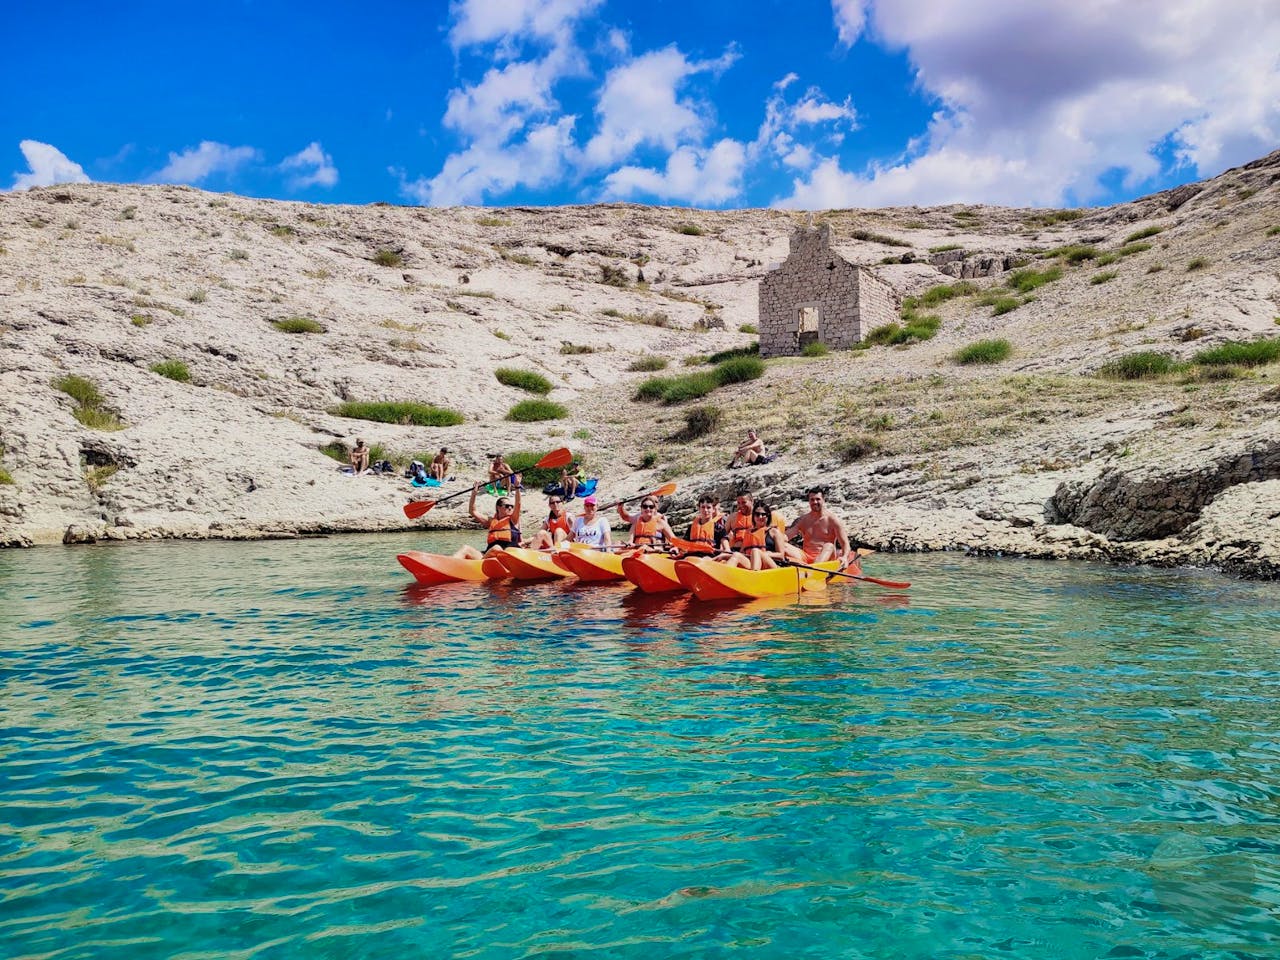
<point x="432" y="568"/>
<point x="718" y="581"/>
<point x="652" y="572"/>
<point x="524" y="564"/>
<point x="493" y="567"/>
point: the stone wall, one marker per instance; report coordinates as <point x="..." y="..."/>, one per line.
<point x="814" y="275"/>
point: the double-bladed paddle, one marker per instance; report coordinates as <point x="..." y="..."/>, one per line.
<point x="663" y="491"/>
<point x="893" y="584"/>
<point x="556" y="458"/>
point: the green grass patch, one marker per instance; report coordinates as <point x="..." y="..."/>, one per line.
<point x="946" y="248"/>
<point x="1073" y="253"/>
<point x="699" y="421"/>
<point x="870" y="237"/>
<point x="502" y="334"/>
<point x="574" y="349"/>
<point x="1273" y="231"/>
<point x="6" y="478"/>
<point x="815" y="349"/>
<point x="939" y="294"/>
<point x="738" y="370"/>
<point x="1197" y="263"/>
<point x="689" y="229"/>
<point x="95" y="477"/>
<point x="1143" y="365"/>
<point x="1129" y="249"/>
<point x="404" y="413"/>
<point x="648" y="364"/>
<point x="689" y="386"/>
<point x="752" y="350"/>
<point x="1003" y="305"/>
<point x="984" y="351"/>
<point x="172" y="369"/>
<point x="1026" y="280"/>
<point x="1106" y="259"/>
<point x="80" y="389"/>
<point x="1049" y="217"/>
<point x="853" y="449"/>
<point x="533" y="478"/>
<point x="388" y="258"/>
<point x="1106" y="276"/>
<point x="489" y="221"/>
<point x="748" y="328"/>
<point x="1143" y="234"/>
<point x="531" y="411"/>
<point x="1253" y="353"/>
<point x="614" y="276"/>
<point x="527" y="380"/>
<point x="140" y="320"/>
<point x="298" y="325"/>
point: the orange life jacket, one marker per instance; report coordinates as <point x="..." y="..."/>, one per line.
<point x="555" y="523"/>
<point x="742" y="525"/>
<point x="757" y="538"/>
<point x="503" y="531"/>
<point x="700" y="532"/>
<point x="646" y="532"/>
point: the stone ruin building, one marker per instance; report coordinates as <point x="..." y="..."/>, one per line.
<point x="817" y="296"/>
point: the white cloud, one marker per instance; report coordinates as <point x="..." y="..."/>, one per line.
<point x="314" y="168"/>
<point x="508" y="22"/>
<point x="540" y="158"/>
<point x="851" y="18"/>
<point x="199" y="163"/>
<point x="48" y="165"/>
<point x="1039" y="102"/>
<point x="812" y="117"/>
<point x="639" y="106"/>
<point x="691" y="174"/>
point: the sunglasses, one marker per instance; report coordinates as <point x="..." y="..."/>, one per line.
<point x="759" y="514"/>
<point x="502" y="506"/>
<point x="648" y="506"/>
<point x="555" y="502"/>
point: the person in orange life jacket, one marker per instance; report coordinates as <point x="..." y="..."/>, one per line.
<point x="823" y="533"/>
<point x="555" y="529"/>
<point x="739" y="525"/>
<point x="648" y="526"/>
<point x="707" y="526"/>
<point x="763" y="545"/>
<point x="504" y="525"/>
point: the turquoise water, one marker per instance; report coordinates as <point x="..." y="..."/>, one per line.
<point x="285" y="750"/>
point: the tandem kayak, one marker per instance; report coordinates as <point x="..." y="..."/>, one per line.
<point x="593" y="566"/>
<point x="432" y="568"/>
<point x="652" y="572"/>
<point x="709" y="580"/>
<point x="524" y="564"/>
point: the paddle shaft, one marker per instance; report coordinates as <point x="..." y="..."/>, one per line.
<point x="893" y="584"/>
<point x="663" y="491"/>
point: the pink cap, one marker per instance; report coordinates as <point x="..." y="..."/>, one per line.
<point x="591" y="500"/>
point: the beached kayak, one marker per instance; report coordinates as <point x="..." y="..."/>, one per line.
<point x="652" y="572"/>
<point x="431" y="568"/>
<point x="524" y="564"/>
<point x="593" y="566"/>
<point x="709" y="580"/>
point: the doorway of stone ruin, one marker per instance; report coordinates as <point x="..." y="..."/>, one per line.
<point x="808" y="324"/>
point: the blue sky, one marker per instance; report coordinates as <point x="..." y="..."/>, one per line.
<point x="803" y="103"/>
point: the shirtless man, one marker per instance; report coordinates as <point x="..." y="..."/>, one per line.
<point x="440" y="465"/>
<point x="359" y="458"/>
<point x="749" y="451"/>
<point x="823" y="533"/>
<point x="502" y="476"/>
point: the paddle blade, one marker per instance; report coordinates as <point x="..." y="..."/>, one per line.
<point x="560" y="457"/>
<point x="666" y="490"/>
<point x="416" y="508"/>
<point x="893" y="584"/>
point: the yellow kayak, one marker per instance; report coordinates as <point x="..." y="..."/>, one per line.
<point x="524" y="564"/>
<point x="593" y="566"/>
<point x="709" y="580"/>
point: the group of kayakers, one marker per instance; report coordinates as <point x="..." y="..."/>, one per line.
<point x="754" y="537"/>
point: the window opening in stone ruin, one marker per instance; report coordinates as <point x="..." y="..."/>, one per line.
<point x="807" y="330"/>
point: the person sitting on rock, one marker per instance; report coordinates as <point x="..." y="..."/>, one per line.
<point x="359" y="457"/>
<point x="440" y="465"/>
<point x="501" y="476"/>
<point x="571" y="480"/>
<point x="749" y="451"/>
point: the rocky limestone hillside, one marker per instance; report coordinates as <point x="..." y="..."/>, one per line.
<point x="1035" y="454"/>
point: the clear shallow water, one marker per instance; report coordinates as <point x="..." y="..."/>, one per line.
<point x="285" y="750"/>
